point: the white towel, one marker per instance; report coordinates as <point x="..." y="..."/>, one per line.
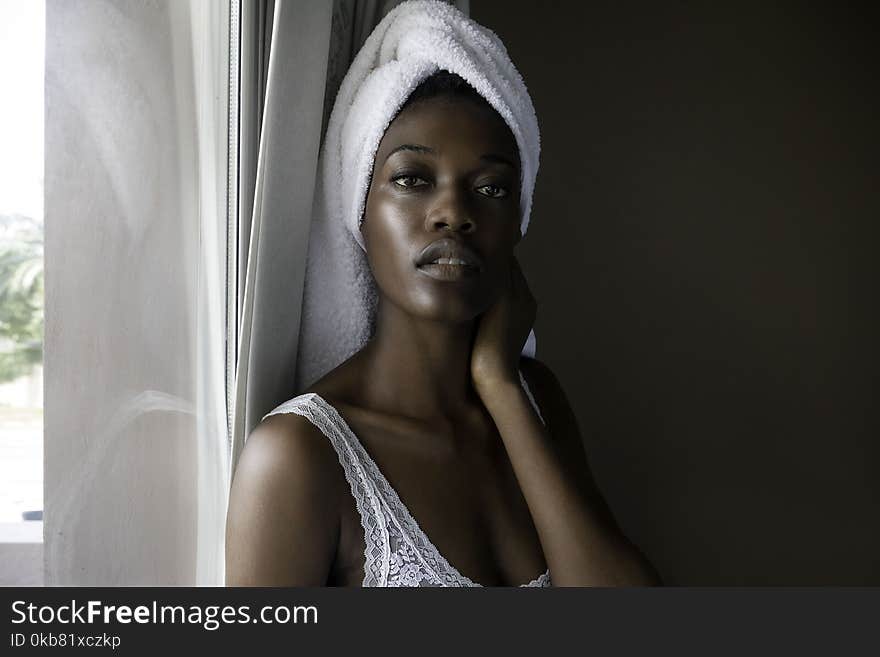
<point x="413" y="41"/>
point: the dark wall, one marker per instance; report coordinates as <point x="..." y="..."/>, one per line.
<point x="702" y="251"/>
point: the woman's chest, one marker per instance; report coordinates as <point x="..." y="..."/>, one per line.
<point x="460" y="491"/>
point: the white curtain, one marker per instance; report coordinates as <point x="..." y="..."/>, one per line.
<point x="209" y="35"/>
<point x="312" y="44"/>
<point x="136" y="194"/>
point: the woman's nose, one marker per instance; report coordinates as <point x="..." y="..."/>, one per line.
<point x="450" y="212"/>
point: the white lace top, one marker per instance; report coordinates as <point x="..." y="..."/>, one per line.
<point x="397" y="552"/>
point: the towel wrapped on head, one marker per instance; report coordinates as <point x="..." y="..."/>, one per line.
<point x="414" y="40"/>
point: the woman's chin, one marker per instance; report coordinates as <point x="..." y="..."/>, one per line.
<point x="451" y="311"/>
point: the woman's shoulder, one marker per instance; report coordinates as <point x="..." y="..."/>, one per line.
<point x="287" y="484"/>
<point x="287" y="449"/>
<point x="289" y="433"/>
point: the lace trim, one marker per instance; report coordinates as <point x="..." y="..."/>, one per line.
<point x="411" y="533"/>
<point x="376" y="544"/>
<point x="370" y="488"/>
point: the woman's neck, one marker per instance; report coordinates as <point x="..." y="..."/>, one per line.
<point x="416" y="367"/>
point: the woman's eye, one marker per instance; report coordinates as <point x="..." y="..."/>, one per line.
<point x="492" y="191"/>
<point x="408" y="181"/>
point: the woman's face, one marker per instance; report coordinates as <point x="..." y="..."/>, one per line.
<point x="442" y="212"/>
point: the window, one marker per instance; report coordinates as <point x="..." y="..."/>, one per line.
<point x="22" y="40"/>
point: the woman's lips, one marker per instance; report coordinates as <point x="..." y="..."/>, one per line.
<point x="448" y="259"/>
<point x="448" y="272"/>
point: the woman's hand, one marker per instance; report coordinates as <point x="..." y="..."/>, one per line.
<point x="501" y="333"/>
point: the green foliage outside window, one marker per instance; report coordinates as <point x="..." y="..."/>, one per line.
<point x="21" y="295"/>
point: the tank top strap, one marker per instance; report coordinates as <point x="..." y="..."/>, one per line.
<point x="363" y="488"/>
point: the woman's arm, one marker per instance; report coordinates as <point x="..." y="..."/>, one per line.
<point x="282" y="526"/>
<point x="581" y="542"/>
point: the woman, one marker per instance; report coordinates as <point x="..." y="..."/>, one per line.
<point x="461" y="461"/>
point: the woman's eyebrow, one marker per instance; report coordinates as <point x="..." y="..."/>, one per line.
<point x="498" y="159"/>
<point x="418" y="148"/>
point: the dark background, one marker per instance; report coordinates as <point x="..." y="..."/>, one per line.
<point x="702" y="251"/>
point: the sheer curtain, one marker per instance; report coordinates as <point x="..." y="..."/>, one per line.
<point x="136" y="193"/>
<point x="312" y="45"/>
